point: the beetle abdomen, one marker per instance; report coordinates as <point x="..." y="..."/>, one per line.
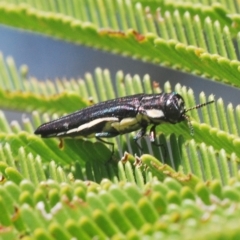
<point x="93" y="119"/>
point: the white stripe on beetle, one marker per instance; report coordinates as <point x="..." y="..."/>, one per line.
<point x="92" y="123"/>
<point x="154" y="113"/>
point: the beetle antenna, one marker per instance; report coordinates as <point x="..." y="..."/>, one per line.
<point x="188" y="118"/>
<point x="199" y="106"/>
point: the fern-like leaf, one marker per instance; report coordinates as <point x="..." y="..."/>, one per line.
<point x="142" y="31"/>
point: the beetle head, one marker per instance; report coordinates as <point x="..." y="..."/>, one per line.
<point x="176" y="111"/>
<point x="174" y="108"/>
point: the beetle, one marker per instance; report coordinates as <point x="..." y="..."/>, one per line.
<point x="121" y="115"/>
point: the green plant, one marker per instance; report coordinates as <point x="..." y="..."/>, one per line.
<point x="49" y="191"/>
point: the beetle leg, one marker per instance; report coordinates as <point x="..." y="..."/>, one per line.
<point x="152" y="138"/>
<point x="99" y="137"/>
<point x="139" y="135"/>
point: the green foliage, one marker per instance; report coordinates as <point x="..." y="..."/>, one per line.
<point x="52" y="190"/>
<point x="192" y="38"/>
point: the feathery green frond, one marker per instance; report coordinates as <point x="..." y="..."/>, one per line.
<point x="86" y="210"/>
<point x="64" y="190"/>
<point x="187" y="37"/>
<point x="215" y="140"/>
<point x="216" y="130"/>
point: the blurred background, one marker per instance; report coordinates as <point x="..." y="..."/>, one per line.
<point x="51" y="58"/>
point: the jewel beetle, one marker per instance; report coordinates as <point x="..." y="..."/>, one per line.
<point x="121" y="115"/>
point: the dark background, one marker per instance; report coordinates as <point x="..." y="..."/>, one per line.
<point x="51" y="58"/>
